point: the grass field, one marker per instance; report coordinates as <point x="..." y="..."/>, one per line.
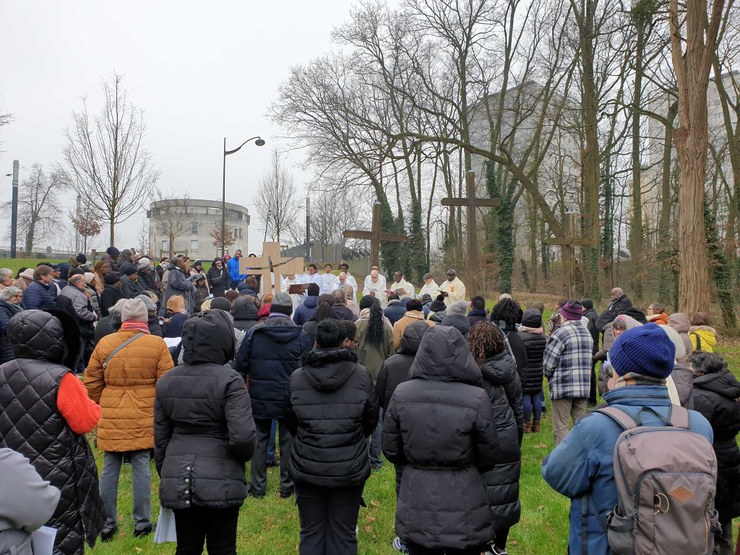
<point x="270" y="526"/>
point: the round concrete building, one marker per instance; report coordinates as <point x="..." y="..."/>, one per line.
<point x="193" y="226"/>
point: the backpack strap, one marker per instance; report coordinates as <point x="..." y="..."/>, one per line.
<point x="121" y="346"/>
<point x="678" y="417"/>
<point x="625" y="421"/>
<point x="698" y="341"/>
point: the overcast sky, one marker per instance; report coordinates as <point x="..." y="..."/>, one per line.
<point x="201" y="71"/>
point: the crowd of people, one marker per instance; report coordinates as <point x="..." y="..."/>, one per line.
<point x="207" y="370"/>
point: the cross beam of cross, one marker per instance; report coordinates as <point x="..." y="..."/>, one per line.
<point x="375" y="236"/>
<point x="471" y="202"/>
<point x="271" y="261"/>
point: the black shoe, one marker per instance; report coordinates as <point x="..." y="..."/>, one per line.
<point x="273" y="463"/>
<point x="285" y="493"/>
<point x="106" y="534"/>
<point x="145" y="531"/>
<point x="255" y="495"/>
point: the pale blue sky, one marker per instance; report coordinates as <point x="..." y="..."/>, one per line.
<point x="200" y="70"/>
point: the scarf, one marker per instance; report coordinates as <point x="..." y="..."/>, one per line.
<point x="532" y="330"/>
<point x="135" y="325"/>
<point x="633" y="378"/>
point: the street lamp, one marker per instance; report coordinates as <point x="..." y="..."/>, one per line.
<point x="259" y="141"/>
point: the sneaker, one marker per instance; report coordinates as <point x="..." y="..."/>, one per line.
<point x="493" y="550"/>
<point x="106" y="534"/>
<point x="145" y="531"/>
<point x="400" y="545"/>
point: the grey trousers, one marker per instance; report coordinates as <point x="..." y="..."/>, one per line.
<point x="258" y="481"/>
<point x="563" y="410"/>
<point x="142" y="484"/>
<point x="374" y="443"/>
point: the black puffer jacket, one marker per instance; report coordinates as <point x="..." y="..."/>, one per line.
<point x="218" y="280"/>
<point x="7" y="311"/>
<point x="331" y="408"/>
<point x="31" y="424"/>
<point x="395" y="369"/>
<point x="268" y="355"/>
<point x="716" y="397"/>
<point x="110" y="296"/>
<point x="203" y="427"/>
<point x="244" y="312"/>
<point x="516" y="344"/>
<point x="461" y="323"/>
<point x="534" y="344"/>
<point x="440" y="424"/>
<point x="501" y="380"/>
<point x="615" y="308"/>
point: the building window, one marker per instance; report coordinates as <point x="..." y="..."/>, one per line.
<point x="194" y="228"/>
<point x="193" y="245"/>
<point x="165" y="245"/>
<point x="240" y="233"/>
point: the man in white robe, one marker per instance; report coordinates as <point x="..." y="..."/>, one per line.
<point x="375" y="287"/>
<point x="452" y="288"/>
<point x="430" y="287"/>
<point x="399" y="282"/>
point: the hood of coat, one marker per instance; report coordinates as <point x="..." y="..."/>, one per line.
<point x="208" y="338"/>
<point x="679" y="321"/>
<point x="411" y="338"/>
<point x="703" y="330"/>
<point x="722" y="383"/>
<point x="52" y="336"/>
<point x="461" y="323"/>
<point x="329" y="369"/>
<point x="444" y="356"/>
<point x="499" y="369"/>
<point x="311" y="302"/>
<point x="244" y="309"/>
<point x="280" y="329"/>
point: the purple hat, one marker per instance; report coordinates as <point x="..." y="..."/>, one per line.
<point x="572" y="310"/>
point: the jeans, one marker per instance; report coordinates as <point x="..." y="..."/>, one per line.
<point x="328" y="519"/>
<point x="258" y="482"/>
<point x="563" y="410"/>
<point x="214" y="527"/>
<point x="271" y="443"/>
<point x="374" y="443"/>
<point x="142" y="484"/>
<point x="416" y="549"/>
<point x="530" y="404"/>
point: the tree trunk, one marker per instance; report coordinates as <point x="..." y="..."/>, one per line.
<point x="636" y="234"/>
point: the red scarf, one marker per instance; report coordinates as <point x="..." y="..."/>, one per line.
<point x="135" y="325"/>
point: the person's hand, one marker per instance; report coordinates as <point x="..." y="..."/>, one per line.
<point x="372" y="293"/>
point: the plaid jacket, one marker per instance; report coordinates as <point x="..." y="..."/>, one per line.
<point x="567" y="361"/>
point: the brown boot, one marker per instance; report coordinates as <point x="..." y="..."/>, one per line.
<point x="527" y="427"/>
<point x="536" y="426"/>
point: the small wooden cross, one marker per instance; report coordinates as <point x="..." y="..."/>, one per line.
<point x="568" y="243"/>
<point x="375" y="236"/>
<point x="271" y="261"/>
<point x="472" y="202"/>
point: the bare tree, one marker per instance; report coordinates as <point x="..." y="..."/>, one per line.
<point x="229" y="238"/>
<point x="143" y="240"/>
<point x="38" y="216"/>
<point x="277" y="202"/>
<point x="692" y="140"/>
<point x="171" y="215"/>
<point x="105" y="160"/>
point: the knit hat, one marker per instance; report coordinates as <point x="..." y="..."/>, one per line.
<point x="282" y="303"/>
<point x="113" y="252"/>
<point x="128" y="269"/>
<point x="147" y="300"/>
<point x="89" y="276"/>
<point x="460" y="308"/>
<point x="81" y="258"/>
<point x="27" y="274"/>
<point x="197" y="263"/>
<point x="438" y="304"/>
<point x="144" y="263"/>
<point x="134" y="309"/>
<point x="646" y="350"/>
<point x="221" y="303"/>
<point x="111" y="279"/>
<point x="532" y="318"/>
<point x="572" y="310"/>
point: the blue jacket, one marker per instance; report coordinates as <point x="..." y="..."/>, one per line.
<point x="232" y="264"/>
<point x="395" y="311"/>
<point x="268" y="355"/>
<point x="305" y="311"/>
<point x="38" y="296"/>
<point x="582" y="466"/>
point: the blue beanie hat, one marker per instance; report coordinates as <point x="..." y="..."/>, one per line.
<point x="645" y="350"/>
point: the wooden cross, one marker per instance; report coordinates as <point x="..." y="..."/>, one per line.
<point x="271" y="261"/>
<point x="568" y="243"/>
<point x="375" y="236"/>
<point x="472" y="202"/>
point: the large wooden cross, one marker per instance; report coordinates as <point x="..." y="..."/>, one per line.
<point x="568" y="244"/>
<point x="271" y="261"/>
<point x="471" y="202"/>
<point x="375" y="236"/>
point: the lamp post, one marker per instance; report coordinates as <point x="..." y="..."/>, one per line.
<point x="259" y="141"/>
